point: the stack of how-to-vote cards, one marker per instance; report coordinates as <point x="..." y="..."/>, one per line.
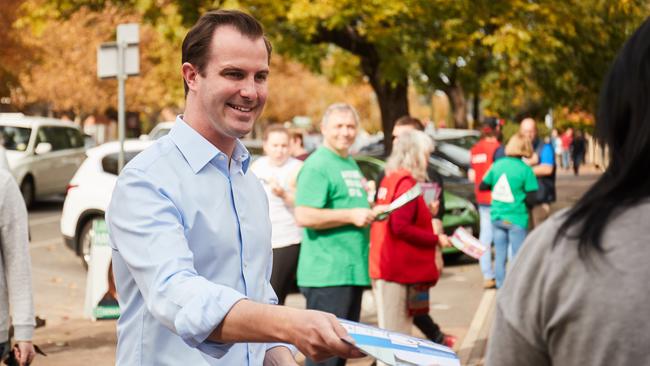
<point x="467" y="243"/>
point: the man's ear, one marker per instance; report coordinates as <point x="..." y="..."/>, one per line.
<point x="190" y="74"/>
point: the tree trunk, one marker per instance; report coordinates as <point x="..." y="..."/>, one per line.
<point x="393" y="104"/>
<point x="391" y="96"/>
<point x="458" y="105"/>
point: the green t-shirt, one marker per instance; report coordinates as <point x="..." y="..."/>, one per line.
<point x="510" y="179"/>
<point x="336" y="256"/>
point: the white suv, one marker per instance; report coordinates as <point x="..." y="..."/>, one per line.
<point x="90" y="190"/>
<point x="43" y="153"/>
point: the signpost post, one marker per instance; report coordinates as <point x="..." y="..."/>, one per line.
<point x="120" y="60"/>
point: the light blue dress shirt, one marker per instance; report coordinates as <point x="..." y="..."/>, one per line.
<point x="191" y="236"/>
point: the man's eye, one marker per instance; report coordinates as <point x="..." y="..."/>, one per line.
<point x="261" y="77"/>
<point x="234" y="74"/>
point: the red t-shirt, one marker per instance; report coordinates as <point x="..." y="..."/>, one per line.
<point x="566" y="141"/>
<point x="481" y="158"/>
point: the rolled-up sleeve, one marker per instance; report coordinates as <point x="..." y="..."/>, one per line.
<point x="146" y="230"/>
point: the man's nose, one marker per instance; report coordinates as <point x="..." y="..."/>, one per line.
<point x="248" y="90"/>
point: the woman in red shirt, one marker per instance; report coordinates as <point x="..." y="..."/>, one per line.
<point x="403" y="247"/>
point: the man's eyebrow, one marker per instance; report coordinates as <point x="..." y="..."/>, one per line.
<point x="237" y="68"/>
<point x="231" y="68"/>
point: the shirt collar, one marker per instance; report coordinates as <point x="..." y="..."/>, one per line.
<point x="199" y="152"/>
<point x="240" y="156"/>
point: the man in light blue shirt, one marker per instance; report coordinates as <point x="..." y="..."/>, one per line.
<point x="189" y="224"/>
<point x="543" y="164"/>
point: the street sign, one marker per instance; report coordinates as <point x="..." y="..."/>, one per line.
<point x="107" y="60"/>
<point x="119" y="60"/>
<point x="128" y="33"/>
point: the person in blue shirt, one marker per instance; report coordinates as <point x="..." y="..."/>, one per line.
<point x="543" y="164"/>
<point x="189" y="226"/>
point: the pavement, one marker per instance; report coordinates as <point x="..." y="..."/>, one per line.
<point x="459" y="304"/>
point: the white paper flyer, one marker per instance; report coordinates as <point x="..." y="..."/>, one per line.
<point x="397" y="349"/>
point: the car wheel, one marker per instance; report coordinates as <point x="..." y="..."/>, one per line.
<point x="28" y="191"/>
<point x="84" y="242"/>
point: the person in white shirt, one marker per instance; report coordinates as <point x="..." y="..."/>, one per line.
<point x="277" y="171"/>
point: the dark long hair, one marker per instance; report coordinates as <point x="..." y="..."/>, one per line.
<point x="623" y="125"/>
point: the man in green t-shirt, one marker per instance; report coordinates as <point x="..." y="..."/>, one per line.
<point x="332" y="206"/>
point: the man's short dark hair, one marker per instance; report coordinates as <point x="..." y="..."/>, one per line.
<point x="487" y="130"/>
<point x="296" y="134"/>
<point x="410" y="121"/>
<point x="196" y="45"/>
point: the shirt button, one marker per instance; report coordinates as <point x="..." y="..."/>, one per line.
<point x="221" y="157"/>
<point x="245" y="265"/>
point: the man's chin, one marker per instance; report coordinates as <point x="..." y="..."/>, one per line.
<point x="240" y="129"/>
<point x="344" y="147"/>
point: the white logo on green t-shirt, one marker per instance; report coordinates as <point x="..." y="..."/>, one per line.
<point x="353" y="181"/>
<point x="501" y="191"/>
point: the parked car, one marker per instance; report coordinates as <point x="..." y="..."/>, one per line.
<point x="452" y="145"/>
<point x="43" y="153"/>
<point x="458" y="210"/>
<point x="159" y="130"/>
<point x="454" y="173"/>
<point x="89" y="193"/>
<point x="466" y="136"/>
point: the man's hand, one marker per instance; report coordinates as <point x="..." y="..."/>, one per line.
<point x="532" y="161"/>
<point x="279" y="356"/>
<point x="24" y="352"/>
<point x="361" y="217"/>
<point x="444" y="241"/>
<point x="318" y="335"/>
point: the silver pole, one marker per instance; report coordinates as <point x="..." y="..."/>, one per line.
<point x="121" y="123"/>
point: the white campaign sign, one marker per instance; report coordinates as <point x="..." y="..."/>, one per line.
<point x="97" y="279"/>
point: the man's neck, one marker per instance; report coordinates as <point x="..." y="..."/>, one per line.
<point x="203" y="126"/>
<point x="344" y="154"/>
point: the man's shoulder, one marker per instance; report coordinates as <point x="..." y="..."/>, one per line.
<point x="315" y="156"/>
<point x="149" y="159"/>
<point x="485" y="147"/>
<point x="547" y="154"/>
<point x="319" y="160"/>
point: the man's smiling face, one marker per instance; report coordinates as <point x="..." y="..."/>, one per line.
<point x="232" y="88"/>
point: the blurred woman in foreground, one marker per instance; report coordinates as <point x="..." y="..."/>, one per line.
<point x="578" y="292"/>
